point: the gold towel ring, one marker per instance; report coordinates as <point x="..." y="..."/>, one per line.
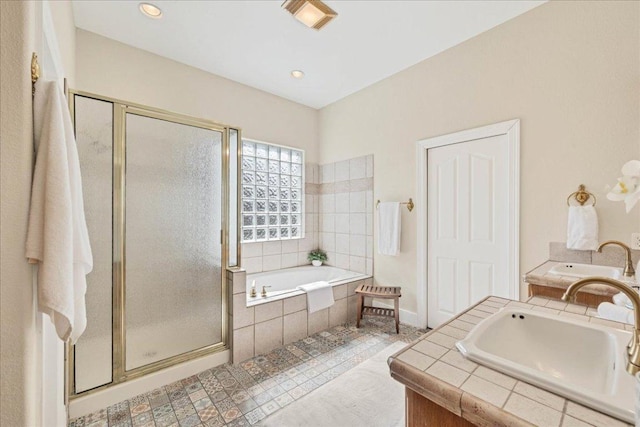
<point x="581" y="196"/>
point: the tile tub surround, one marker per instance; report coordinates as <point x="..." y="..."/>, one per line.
<point x="346" y="213"/>
<point x="433" y="367"/>
<point x="261" y="328"/>
<point x="244" y="394"/>
<point x="274" y="255"/>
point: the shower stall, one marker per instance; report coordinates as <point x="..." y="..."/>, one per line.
<point x="160" y="198"/>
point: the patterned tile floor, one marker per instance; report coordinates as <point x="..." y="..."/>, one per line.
<point x="244" y="394"/>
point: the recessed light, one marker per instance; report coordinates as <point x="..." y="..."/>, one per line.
<point x="151" y="10"/>
<point x="298" y="74"/>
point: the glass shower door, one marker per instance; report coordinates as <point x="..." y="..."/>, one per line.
<point x="173" y="207"/>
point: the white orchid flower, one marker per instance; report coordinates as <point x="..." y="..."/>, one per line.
<point x="628" y="186"/>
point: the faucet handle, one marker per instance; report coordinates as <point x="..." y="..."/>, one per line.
<point x="264" y="291"/>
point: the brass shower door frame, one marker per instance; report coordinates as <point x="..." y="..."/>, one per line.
<point x="119" y="372"/>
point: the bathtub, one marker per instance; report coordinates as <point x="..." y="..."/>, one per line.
<point x="283" y="283"/>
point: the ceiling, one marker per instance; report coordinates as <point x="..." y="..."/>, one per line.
<point x="258" y="43"/>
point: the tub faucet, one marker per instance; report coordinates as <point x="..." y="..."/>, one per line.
<point x="264" y="291"/>
<point x="628" y="265"/>
<point x="633" y="348"/>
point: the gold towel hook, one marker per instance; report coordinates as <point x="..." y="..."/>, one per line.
<point x="581" y="196"/>
<point x="35" y="72"/>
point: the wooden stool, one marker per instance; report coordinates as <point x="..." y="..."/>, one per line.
<point x="385" y="292"/>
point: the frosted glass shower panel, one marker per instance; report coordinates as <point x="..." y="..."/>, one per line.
<point x="173" y="217"/>
<point x="94" y="139"/>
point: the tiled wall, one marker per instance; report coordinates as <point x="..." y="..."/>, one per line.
<point x="346" y="213"/>
<point x="274" y="255"/>
<point x="612" y="256"/>
<point x="264" y="327"/>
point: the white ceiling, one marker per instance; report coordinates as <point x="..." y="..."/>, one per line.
<point x="258" y="43"/>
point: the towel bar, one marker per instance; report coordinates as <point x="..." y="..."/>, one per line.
<point x="409" y="204"/>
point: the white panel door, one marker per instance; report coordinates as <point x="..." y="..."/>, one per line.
<point x="467" y="225"/>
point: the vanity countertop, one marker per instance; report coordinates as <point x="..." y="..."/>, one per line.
<point x="433" y="367"/>
<point x="541" y="276"/>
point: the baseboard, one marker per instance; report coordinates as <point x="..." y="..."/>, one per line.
<point x="406" y="317"/>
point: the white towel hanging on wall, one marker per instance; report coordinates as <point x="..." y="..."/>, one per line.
<point x="389" y="228"/>
<point x="57" y="237"/>
<point x="582" y="228"/>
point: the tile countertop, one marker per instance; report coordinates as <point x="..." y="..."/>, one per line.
<point x="433" y="367"/>
<point x="541" y="276"/>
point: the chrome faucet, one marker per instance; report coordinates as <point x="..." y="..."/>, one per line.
<point x="628" y="265"/>
<point x="633" y="348"/>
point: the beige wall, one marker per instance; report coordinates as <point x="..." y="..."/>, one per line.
<point x="569" y="70"/>
<point x="18" y="386"/>
<point x="65" y="28"/>
<point x="107" y="67"/>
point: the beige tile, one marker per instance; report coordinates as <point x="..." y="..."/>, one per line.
<point x="416" y="359"/>
<point x="538" y="301"/>
<point x="461" y="325"/>
<point x="539" y="395"/>
<point x="470" y="319"/>
<point x="268" y="335"/>
<point x="495" y="377"/>
<point x="518" y="304"/>
<point x="268" y="311"/>
<point x="293" y="304"/>
<point x="338" y="313"/>
<point x="453" y="332"/>
<point x="454" y="358"/>
<point x="477" y="313"/>
<point x="430" y="349"/>
<point x="590" y="416"/>
<point x="340" y="292"/>
<point x="575" y="308"/>
<point x="448" y="373"/>
<point x="486" y="390"/>
<point x="239" y="280"/>
<point x="295" y="326"/>
<point x="352" y="308"/>
<point x="272" y="248"/>
<point x="546" y="310"/>
<point x="575" y="316"/>
<point x="242" y="315"/>
<point x="501" y="301"/>
<point x="487" y="308"/>
<point x="443" y="340"/>
<point x="568" y="421"/>
<point x="368" y="282"/>
<point x="318" y="321"/>
<point x="243" y="344"/>
<point x="534" y="412"/>
<point x="557" y="305"/>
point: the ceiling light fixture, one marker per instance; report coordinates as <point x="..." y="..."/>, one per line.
<point x="312" y="13"/>
<point x="298" y="74"/>
<point x="150" y="10"/>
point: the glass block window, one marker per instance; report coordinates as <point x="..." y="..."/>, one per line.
<point x="272" y="192"/>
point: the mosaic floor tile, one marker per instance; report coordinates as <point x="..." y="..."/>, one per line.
<point x="242" y="395"/>
<point x="255" y="416"/>
<point x="208" y="413"/>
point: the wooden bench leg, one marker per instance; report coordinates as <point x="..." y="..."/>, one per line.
<point x="396" y="311"/>
<point x="360" y="304"/>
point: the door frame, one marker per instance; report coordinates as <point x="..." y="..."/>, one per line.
<point x="510" y="128"/>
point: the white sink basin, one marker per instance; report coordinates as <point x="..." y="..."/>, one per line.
<point x="585" y="270"/>
<point x="580" y="361"/>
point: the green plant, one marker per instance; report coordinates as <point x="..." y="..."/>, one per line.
<point x="317" y="255"/>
